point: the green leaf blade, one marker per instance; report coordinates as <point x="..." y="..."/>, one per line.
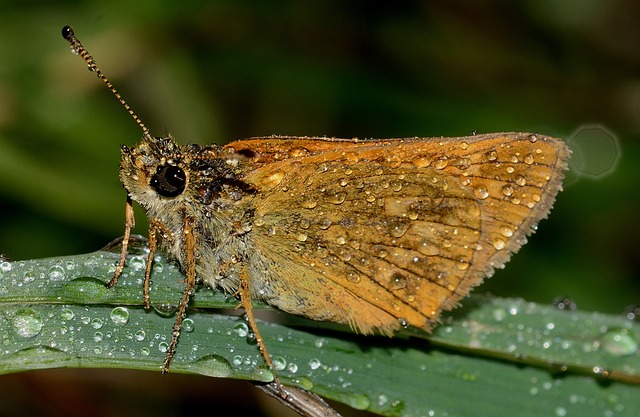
<point x="492" y="357"/>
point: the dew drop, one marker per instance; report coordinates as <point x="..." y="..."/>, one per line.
<point x="188" y="325"/>
<point x="491" y="156"/>
<point x="564" y="303"/>
<point x="5" y="266"/>
<point x="96" y="323"/>
<point x="507" y="190"/>
<point x="29" y="276"/>
<point x="632" y="312"/>
<point x="421" y="162"/>
<point x="521" y="181"/>
<point x="324" y="224"/>
<point x="481" y="193"/>
<point x="305" y="224"/>
<point x="398" y="229"/>
<point x="462" y="164"/>
<point x="528" y="159"/>
<point x="498" y="244"/>
<point x="301" y="237"/>
<point x="309" y="203"/>
<point x="279" y="363"/>
<point x="506" y="231"/>
<point x="56" y="273"/>
<point x="601" y="372"/>
<point x="298" y="152"/>
<point x="137" y="263"/>
<point x="140" y="335"/>
<point x="165" y="310"/>
<point x="397" y="281"/>
<point x="396" y="185"/>
<point x="27" y="323"/>
<point x="67" y="314"/>
<point x="428" y="249"/>
<point x="241" y="329"/>
<point x="274" y="179"/>
<point x="303" y="382"/>
<point x="561" y="411"/>
<point x="499" y="314"/>
<point x="412" y="214"/>
<point x="314" y="363"/>
<point x="345" y="255"/>
<point x="353" y="278"/>
<point x="119" y="316"/>
<point x="215" y="366"/>
<point x="441" y="163"/>
<point x="358" y="401"/>
<point x="462" y="264"/>
<point x="91" y="263"/>
<point x="619" y="342"/>
<point x="464" y="145"/>
<point x="335" y="198"/>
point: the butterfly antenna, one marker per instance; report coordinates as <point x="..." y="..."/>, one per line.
<point x="77" y="48"/>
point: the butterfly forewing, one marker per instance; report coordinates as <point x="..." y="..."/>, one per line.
<point x="380" y="234"/>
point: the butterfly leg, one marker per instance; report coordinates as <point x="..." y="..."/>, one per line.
<point x="130" y="222"/>
<point x="188" y="244"/>
<point x="245" y="300"/>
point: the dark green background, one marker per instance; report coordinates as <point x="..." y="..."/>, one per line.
<point x="224" y="70"/>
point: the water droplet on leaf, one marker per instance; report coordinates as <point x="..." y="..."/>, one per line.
<point x="27" y="322"/>
<point x="119" y="316"/>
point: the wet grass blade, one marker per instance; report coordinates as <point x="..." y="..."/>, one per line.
<point x="494" y="355"/>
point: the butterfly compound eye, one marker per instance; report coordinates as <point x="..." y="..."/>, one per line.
<point x="169" y="181"/>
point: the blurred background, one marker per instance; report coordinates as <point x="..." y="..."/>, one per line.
<point x="223" y="70"/>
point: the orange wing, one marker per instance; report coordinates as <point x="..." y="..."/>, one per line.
<point x="381" y="234"/>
